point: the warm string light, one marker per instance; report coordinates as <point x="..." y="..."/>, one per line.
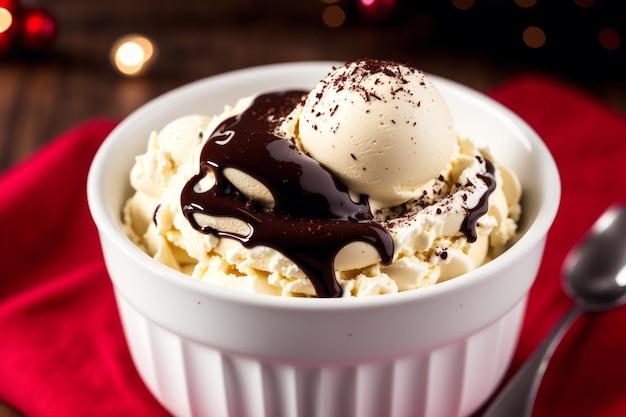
<point x="333" y="16"/>
<point x="525" y="3"/>
<point x="463" y="4"/>
<point x="6" y="19"/>
<point x="584" y="3"/>
<point x="8" y="28"/>
<point x="610" y="39"/>
<point x="132" y="55"/>
<point x="534" y="37"/>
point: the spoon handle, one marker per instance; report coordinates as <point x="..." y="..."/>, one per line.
<point x="518" y="395"/>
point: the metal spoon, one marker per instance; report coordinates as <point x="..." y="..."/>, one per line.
<point x="594" y="276"/>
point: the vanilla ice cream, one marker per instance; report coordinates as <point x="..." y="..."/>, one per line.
<point x="358" y="187"/>
<point x="384" y="130"/>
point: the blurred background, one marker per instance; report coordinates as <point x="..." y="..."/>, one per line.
<point x="63" y="62"/>
<point x="60" y="60"/>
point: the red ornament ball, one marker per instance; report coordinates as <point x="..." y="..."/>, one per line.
<point x="38" y="30"/>
<point x="377" y="10"/>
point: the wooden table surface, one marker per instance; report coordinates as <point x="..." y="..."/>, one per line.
<point x="42" y="97"/>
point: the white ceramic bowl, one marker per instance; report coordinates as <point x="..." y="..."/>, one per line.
<point x="209" y="351"/>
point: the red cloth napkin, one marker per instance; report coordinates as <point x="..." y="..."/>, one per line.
<point x="62" y="350"/>
<point x="586" y="376"/>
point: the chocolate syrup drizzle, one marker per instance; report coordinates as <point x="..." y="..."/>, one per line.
<point x="313" y="216"/>
<point x="468" y="227"/>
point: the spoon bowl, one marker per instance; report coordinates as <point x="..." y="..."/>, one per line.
<point x="594" y="277"/>
<point x="594" y="272"/>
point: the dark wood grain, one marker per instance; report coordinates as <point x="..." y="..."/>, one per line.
<point x="42" y="97"/>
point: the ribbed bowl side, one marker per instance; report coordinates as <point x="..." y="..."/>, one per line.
<point x="195" y="380"/>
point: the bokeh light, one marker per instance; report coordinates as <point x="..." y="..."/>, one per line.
<point x="534" y="37"/>
<point x="609" y="38"/>
<point x="6" y="19"/>
<point x="333" y="16"/>
<point x="585" y="3"/>
<point x="526" y="3"/>
<point x="132" y="55"/>
<point x="463" y="4"/>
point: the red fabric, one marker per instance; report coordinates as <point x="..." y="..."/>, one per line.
<point x="586" y="376"/>
<point x="62" y="350"/>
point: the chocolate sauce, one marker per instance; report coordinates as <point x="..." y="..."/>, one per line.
<point x="313" y="216"/>
<point x="154" y="214"/>
<point x="468" y="227"/>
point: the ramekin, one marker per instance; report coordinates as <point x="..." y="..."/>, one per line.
<point x="204" y="350"/>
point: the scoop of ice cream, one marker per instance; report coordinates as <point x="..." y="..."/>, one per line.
<point x="380" y="126"/>
<point x="167" y="150"/>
